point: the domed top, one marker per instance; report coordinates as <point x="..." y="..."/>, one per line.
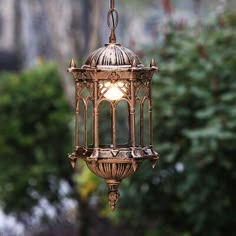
<point x="112" y="55"/>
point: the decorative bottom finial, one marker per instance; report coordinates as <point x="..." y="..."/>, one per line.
<point x="73" y="159"/>
<point x="154" y="162"/>
<point x="113" y="194"/>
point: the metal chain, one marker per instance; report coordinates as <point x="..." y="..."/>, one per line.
<point x="112" y="4"/>
<point x="112" y="21"/>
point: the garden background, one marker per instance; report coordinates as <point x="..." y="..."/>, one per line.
<point x="191" y="192"/>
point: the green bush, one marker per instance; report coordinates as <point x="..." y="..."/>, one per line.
<point x="34" y="138"/>
<point x="191" y="191"/>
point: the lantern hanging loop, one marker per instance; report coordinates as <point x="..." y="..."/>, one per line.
<point x="112" y="21"/>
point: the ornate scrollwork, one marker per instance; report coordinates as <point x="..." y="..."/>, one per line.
<point x="121" y="85"/>
<point x="84" y="90"/>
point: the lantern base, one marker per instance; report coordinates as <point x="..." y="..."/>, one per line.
<point x="114" y="165"/>
<point x="113" y="171"/>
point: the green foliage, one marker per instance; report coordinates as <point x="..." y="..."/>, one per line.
<point x="34" y="138"/>
<point x="87" y="183"/>
<point x="191" y="190"/>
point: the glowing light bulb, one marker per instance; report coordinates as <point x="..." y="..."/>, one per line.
<point x="113" y="92"/>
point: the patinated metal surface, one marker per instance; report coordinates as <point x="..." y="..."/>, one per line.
<point x="118" y="66"/>
<point x="112" y="55"/>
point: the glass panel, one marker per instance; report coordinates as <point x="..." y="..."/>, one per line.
<point x="81" y="123"/>
<point x="122" y="123"/>
<point x="137" y="123"/>
<point x="105" y="128"/>
<point x="141" y="92"/>
<point x="85" y="93"/>
<point x="146" y="122"/>
<point x="90" y="124"/>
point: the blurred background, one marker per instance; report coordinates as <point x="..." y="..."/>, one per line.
<point x="191" y="192"/>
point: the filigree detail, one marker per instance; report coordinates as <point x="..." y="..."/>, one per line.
<point x="122" y="86"/>
<point x="109" y="170"/>
<point x="113" y="193"/>
<point x="113" y="198"/>
<point x="85" y="90"/>
<point x="142" y="90"/>
<point x="84" y="76"/>
<point x="114" y="76"/>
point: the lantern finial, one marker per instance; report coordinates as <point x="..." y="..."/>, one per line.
<point x="72" y="63"/>
<point x="73" y="159"/>
<point x="153" y="64"/>
<point x="154" y="162"/>
<point x="113" y="194"/>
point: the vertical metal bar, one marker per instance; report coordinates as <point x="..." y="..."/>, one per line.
<point x="86" y="124"/>
<point x="113" y="115"/>
<point x="150" y="116"/>
<point x="129" y="140"/>
<point x="110" y="125"/>
<point x="132" y="113"/>
<point x="96" y="114"/>
<point x="76" y="117"/>
<point x="141" y="124"/>
<point x="150" y="126"/>
<point x="77" y="124"/>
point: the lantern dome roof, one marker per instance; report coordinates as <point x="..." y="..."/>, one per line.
<point x="111" y="56"/>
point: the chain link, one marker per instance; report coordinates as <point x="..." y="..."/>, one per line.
<point x="112" y="21"/>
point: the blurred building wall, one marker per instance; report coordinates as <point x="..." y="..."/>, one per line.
<point x="8" y="47"/>
<point x="7" y="18"/>
<point x="36" y="30"/>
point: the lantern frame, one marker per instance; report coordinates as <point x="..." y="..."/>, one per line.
<point x="113" y="66"/>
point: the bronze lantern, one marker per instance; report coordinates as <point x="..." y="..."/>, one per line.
<point x="113" y="112"/>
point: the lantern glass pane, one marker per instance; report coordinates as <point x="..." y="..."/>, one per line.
<point x="85" y="93"/>
<point x="141" y="91"/>
<point x="105" y="126"/>
<point x="90" y="124"/>
<point x="122" y="123"/>
<point x="137" y="123"/>
<point x="81" y="123"/>
<point x="146" y="122"/>
<point x="113" y="91"/>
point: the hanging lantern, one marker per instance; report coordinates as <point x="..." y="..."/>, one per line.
<point x="113" y="112"/>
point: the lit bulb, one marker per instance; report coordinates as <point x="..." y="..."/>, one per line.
<point x="113" y="92"/>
